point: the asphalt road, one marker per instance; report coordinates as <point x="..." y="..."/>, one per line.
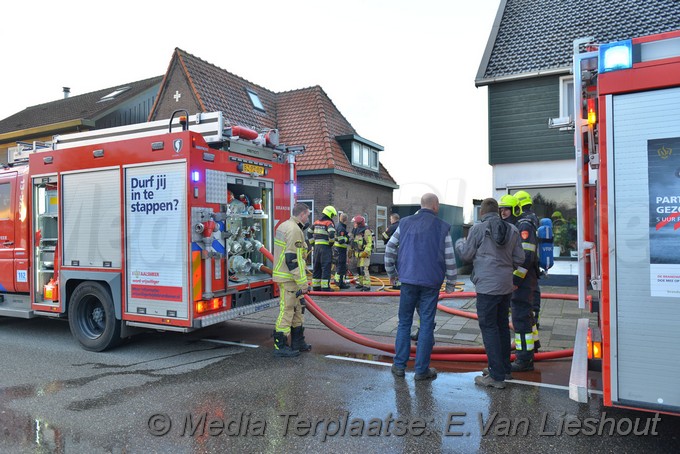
<point x="169" y="392"/>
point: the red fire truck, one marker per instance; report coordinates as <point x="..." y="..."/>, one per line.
<point x="627" y="137"/>
<point x="158" y="225"/>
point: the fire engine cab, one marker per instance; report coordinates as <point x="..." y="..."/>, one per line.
<point x="627" y="138"/>
<point x="158" y="225"/>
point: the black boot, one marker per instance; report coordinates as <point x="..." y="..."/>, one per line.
<point x="281" y="348"/>
<point x="342" y="284"/>
<point x="316" y="288"/>
<point x="297" y="339"/>
<point x="524" y="361"/>
<point x="414" y="335"/>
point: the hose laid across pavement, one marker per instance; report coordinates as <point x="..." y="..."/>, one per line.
<point x="439" y="353"/>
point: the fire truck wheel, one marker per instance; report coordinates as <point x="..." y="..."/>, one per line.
<point x="92" y="317"/>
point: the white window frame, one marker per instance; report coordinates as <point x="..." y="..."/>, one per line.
<point x="381" y="219"/>
<point x="567" y="101"/>
<point x="365" y="157"/>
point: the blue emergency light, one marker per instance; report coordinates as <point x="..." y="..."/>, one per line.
<point x="615" y="56"/>
<point x="195" y="176"/>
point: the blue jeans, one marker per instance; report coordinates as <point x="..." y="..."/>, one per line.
<point x="492" y="314"/>
<point x="427" y="298"/>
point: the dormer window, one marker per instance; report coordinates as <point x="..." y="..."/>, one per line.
<point x="364" y="156"/>
<point x="361" y="152"/>
<point x="113" y="94"/>
<point x="255" y="100"/>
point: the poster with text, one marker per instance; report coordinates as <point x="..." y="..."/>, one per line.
<point x="664" y="214"/>
<point x="155" y="204"/>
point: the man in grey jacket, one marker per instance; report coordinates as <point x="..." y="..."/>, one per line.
<point x="495" y="249"/>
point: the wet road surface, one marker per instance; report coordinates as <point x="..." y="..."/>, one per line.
<point x="205" y="392"/>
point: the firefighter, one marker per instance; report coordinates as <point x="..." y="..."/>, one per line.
<point x="340" y="249"/>
<point x="526" y="206"/>
<point x="290" y="273"/>
<point x="362" y="245"/>
<point x="525" y="279"/>
<point x="323" y="239"/>
<point x="508" y="208"/>
<point x="386" y="235"/>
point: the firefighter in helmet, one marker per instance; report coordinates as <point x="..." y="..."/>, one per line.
<point x="508" y="208"/>
<point x="340" y="251"/>
<point x="290" y="273"/>
<point x="526" y="207"/>
<point x="323" y="237"/>
<point x="525" y="279"/>
<point x="362" y="245"/>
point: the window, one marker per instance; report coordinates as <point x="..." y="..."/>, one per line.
<point x="380" y="221"/>
<point x="364" y="156"/>
<point x="5" y="201"/>
<point x="558" y="204"/>
<point x="255" y="100"/>
<point x="567" y="97"/>
<point x="113" y="94"/>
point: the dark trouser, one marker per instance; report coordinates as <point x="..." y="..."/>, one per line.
<point x="492" y="313"/>
<point x="341" y="266"/>
<point x="323" y="257"/>
<point x="426" y="297"/>
<point x="523" y="320"/>
<point x="536" y="303"/>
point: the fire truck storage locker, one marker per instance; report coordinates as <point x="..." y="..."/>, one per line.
<point x="156" y="240"/>
<point x="644" y="258"/>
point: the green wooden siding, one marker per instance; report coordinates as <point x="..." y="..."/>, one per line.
<point x="518" y="122"/>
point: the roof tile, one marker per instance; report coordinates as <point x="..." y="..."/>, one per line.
<point x="538" y="35"/>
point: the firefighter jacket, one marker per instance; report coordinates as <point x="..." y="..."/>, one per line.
<point x="362" y="240"/>
<point x="527" y="271"/>
<point x="289" y="253"/>
<point x="341" y="236"/>
<point x="387" y="234"/>
<point x="323" y="232"/>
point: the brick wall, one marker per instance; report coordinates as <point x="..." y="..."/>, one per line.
<point x="345" y="194"/>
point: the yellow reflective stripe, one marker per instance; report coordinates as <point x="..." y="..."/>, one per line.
<point x="338" y="245"/>
<point x="280" y="243"/>
<point x="301" y="279"/>
<point x="282" y="307"/>
<point x="520" y="272"/>
<point x="324" y="242"/>
<point x="518" y="341"/>
<point x="529" y="247"/>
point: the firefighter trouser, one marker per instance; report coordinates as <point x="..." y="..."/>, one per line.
<point x="290" y="309"/>
<point x="323" y="258"/>
<point x="523" y="322"/>
<point x="341" y="266"/>
<point x="364" y="277"/>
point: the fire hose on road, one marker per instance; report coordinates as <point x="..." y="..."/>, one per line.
<point x="439" y="353"/>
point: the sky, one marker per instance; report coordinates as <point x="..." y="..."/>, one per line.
<point x="401" y="71"/>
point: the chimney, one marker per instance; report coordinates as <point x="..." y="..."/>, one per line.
<point x="67" y="92"/>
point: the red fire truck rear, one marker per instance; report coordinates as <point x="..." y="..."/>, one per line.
<point x="627" y="137"/>
<point x="158" y="226"/>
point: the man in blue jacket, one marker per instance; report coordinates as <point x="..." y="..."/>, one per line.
<point x="420" y="255"/>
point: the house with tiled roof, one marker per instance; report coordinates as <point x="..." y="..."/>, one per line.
<point x="338" y="167"/>
<point x="114" y="106"/>
<point x="526" y="68"/>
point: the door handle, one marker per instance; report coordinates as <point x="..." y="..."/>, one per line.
<point x="8" y="243"/>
